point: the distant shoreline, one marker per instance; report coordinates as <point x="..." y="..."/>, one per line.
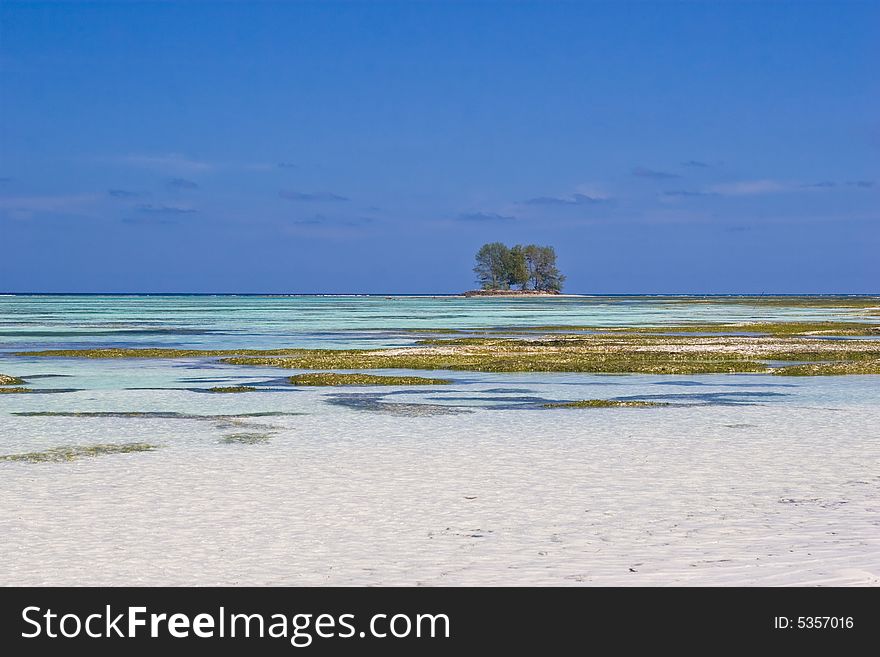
<point x="642" y="295"/>
<point x="514" y="293"/>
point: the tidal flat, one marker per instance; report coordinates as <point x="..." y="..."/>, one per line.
<point x="650" y="350"/>
<point x="561" y="441"/>
<point x="768" y="347"/>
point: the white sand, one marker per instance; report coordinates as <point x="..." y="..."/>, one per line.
<point x="785" y="496"/>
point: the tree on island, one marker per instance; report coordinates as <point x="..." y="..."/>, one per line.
<point x="530" y="267"/>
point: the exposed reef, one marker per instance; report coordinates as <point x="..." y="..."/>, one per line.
<point x="605" y="403"/>
<point x="232" y="389"/>
<point x="828" y="347"/>
<point x="66" y="454"/>
<point x="245" y="439"/>
<point x="356" y="379"/>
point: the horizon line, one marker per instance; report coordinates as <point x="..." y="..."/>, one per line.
<point x="447" y="294"/>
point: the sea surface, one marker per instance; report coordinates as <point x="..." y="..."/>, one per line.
<point x="364" y="485"/>
<point x="262" y="322"/>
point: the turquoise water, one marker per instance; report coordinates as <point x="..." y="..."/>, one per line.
<point x="215" y="322"/>
<point x="179" y="386"/>
<point x="65" y="385"/>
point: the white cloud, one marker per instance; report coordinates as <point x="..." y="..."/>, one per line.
<point x="174" y="162"/>
<point x="749" y="188"/>
<point x="593" y="190"/>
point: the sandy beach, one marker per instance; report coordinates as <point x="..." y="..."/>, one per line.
<point x="738" y="495"/>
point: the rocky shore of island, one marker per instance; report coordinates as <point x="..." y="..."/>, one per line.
<point x="512" y="293"/>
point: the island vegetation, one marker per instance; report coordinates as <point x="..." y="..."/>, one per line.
<point x="521" y="269"/>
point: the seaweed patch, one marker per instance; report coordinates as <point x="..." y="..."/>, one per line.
<point x="66" y="454"/>
<point x="356" y="379"/>
<point x="606" y="403"/>
<point x="232" y="389"/>
<point x="245" y="439"/>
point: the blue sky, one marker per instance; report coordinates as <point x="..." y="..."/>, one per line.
<point x="372" y="147"/>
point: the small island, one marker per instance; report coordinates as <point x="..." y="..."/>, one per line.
<point x="521" y="270"/>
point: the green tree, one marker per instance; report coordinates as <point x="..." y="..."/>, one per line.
<point x="530" y="267"/>
<point x="491" y="266"/>
<point x="517" y="268"/>
<point x="542" y="270"/>
<point x="531" y="255"/>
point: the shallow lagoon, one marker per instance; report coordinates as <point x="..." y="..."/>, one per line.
<point x="216" y="322"/>
<point x="743" y="479"/>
